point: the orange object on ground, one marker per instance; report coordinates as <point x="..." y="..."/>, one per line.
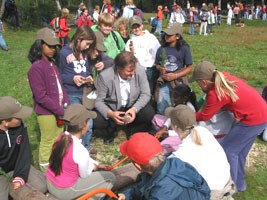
<point x="98" y="191"/>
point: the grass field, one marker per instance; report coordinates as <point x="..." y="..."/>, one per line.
<point x="240" y="51"/>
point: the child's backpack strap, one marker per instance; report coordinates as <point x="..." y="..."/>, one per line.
<point x="116" y="39"/>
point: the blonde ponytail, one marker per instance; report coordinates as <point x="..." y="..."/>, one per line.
<point x="195" y="136"/>
<point x="225" y="87"/>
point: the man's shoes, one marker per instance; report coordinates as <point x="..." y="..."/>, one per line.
<point x="108" y="141"/>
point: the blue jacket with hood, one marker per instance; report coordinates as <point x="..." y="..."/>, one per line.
<point x="173" y="180"/>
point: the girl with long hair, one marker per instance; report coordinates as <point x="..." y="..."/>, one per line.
<point x="227" y="91"/>
<point x="74" y="67"/>
<point x="71" y="171"/>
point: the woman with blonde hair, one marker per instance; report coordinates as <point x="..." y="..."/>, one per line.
<point x="199" y="148"/>
<point x="227" y="91"/>
<point x="122" y="26"/>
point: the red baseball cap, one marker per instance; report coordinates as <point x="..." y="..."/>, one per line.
<point x="141" y="147"/>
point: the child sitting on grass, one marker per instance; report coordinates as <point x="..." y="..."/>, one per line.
<point x="161" y="178"/>
<point x="15" y="154"/>
<point x="71" y="169"/>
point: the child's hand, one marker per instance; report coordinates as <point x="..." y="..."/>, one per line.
<point x="162" y="70"/>
<point x="70" y="58"/>
<point x="131" y="46"/>
<point x="16" y="185"/>
<point x="78" y="80"/>
<point x="121" y="196"/>
<point x="102" y="167"/>
<point x="169" y="76"/>
<point x="89" y="79"/>
<point x="162" y="132"/>
<point x="99" y="66"/>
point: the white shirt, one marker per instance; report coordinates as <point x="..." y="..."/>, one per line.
<point x="125" y="91"/>
<point x="177" y="18"/>
<point x="82" y="158"/>
<point x="209" y="159"/>
<point x="145" y="48"/>
<point x="128" y="11"/>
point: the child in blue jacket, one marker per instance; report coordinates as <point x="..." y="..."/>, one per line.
<point x="161" y="178"/>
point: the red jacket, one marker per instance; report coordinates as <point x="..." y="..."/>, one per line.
<point x="84" y="21"/>
<point x="250" y="108"/>
<point x="160" y="15"/>
<point x="64" y="27"/>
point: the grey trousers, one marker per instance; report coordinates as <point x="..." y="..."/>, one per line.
<point x="96" y="180"/>
<point x="36" y="180"/>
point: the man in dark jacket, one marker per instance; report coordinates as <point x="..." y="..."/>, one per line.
<point x="15" y="153"/>
<point x="161" y="178"/>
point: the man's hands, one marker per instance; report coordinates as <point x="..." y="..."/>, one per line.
<point x="123" y="118"/>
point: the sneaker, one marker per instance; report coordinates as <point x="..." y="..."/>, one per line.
<point x="108" y="141"/>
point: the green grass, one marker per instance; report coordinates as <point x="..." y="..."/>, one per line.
<point x="240" y="51"/>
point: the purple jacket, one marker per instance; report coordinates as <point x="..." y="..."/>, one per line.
<point x="44" y="88"/>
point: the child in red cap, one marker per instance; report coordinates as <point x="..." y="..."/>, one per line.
<point x="161" y="178"/>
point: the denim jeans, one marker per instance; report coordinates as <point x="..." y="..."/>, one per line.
<point x="87" y="136"/>
<point x="219" y="19"/>
<point x="3" y="44"/>
<point x="236" y="145"/>
<point x="192" y="29"/>
<point x="164" y="99"/>
<point x="152" y="74"/>
<point x="159" y="27"/>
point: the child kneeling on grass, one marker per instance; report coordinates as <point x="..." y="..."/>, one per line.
<point x="161" y="178"/>
<point x="70" y="173"/>
<point x="15" y="154"/>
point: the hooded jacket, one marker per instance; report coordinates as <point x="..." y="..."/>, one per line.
<point x="173" y="180"/>
<point x="15" y="153"/>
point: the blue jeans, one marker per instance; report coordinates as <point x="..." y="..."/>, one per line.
<point x="192" y="29"/>
<point x="87" y="136"/>
<point x="236" y="145"/>
<point x="164" y="99"/>
<point x="3" y="44"/>
<point x="152" y="74"/>
<point x="159" y="27"/>
<point x="219" y="19"/>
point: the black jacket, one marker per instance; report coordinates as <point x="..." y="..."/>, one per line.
<point x="15" y="153"/>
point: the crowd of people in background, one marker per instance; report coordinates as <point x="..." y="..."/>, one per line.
<point x="113" y="75"/>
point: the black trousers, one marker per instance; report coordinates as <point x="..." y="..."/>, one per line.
<point x="107" y="127"/>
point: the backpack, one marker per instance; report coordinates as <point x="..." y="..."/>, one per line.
<point x="154" y="22"/>
<point x="138" y="12"/>
<point x="55" y="24"/>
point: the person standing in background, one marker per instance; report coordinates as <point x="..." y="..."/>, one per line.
<point x="64" y="30"/>
<point x="128" y="9"/>
<point x="159" y="18"/>
<point x="3" y="43"/>
<point x="84" y="19"/>
<point x="166" y="12"/>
